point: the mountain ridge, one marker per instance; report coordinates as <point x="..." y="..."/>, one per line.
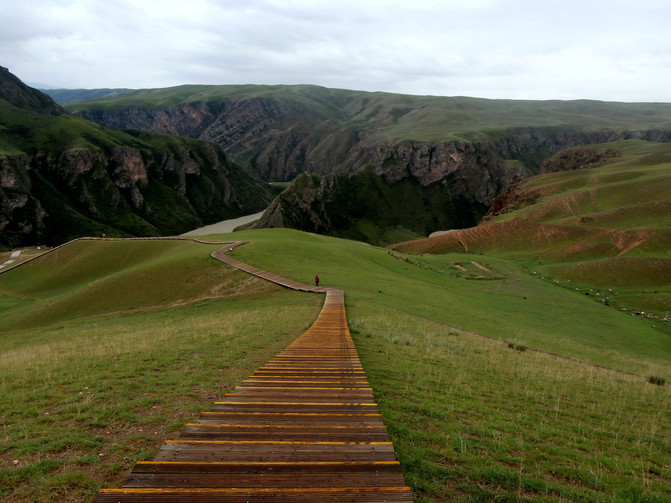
<point x="459" y="151"/>
<point x="24" y="97"/>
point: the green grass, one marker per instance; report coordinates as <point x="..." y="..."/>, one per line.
<point x="604" y="228"/>
<point x="95" y="387"/>
<point x="88" y="278"/>
<point x="519" y="306"/>
<point x="24" y="131"/>
<point x="95" y="396"/>
<point x="473" y="418"/>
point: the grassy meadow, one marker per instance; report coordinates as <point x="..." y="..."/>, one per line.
<point x="496" y="385"/>
<point x="508" y="304"/>
<point x="108" y="348"/>
<point x="468" y="360"/>
<point x="476" y="420"/>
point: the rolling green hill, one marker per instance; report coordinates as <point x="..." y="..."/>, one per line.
<point x="64" y="96"/>
<point x="603" y="230"/>
<point x="494" y="384"/>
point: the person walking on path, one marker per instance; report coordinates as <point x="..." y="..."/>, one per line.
<point x="316" y="280"/>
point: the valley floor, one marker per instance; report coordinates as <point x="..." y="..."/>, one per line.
<point x="224" y="226"/>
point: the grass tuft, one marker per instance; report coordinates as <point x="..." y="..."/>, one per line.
<point x="517" y="347"/>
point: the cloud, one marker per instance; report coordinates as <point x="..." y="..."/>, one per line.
<point x="514" y="49"/>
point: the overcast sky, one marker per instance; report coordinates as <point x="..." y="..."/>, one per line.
<point x="608" y="50"/>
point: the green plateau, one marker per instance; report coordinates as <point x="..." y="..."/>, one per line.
<point x="390" y="116"/>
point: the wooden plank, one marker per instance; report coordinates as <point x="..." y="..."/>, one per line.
<point x="269" y="479"/>
<point x="276" y="467"/>
<point x="399" y="494"/>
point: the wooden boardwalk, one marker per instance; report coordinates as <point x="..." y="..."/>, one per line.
<point x="304" y="427"/>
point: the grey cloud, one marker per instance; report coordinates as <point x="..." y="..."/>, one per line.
<point x="515" y="49"/>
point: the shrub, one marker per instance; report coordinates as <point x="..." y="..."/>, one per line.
<point x="659" y="381"/>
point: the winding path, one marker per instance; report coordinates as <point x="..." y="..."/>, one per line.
<point x="304" y="427"/>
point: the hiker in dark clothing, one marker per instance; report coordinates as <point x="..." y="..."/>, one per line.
<point x="316" y="280"/>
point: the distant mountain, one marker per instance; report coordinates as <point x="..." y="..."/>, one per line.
<point x="65" y="96"/>
<point x="15" y="92"/>
<point x="379" y="155"/>
<point x="63" y="177"/>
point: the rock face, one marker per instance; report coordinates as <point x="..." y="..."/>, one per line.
<point x="48" y="199"/>
<point x="414" y="188"/>
<point x="85" y="180"/>
<point x="263" y="133"/>
<point x="183" y="120"/>
<point x="580" y="158"/>
<point x="227" y="124"/>
<point x="455" y="184"/>
<point x="21" y="214"/>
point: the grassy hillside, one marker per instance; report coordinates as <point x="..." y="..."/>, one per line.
<point x="108" y="348"/>
<point x="93" y="278"/>
<point x="603" y="230"/>
<point x="481" y="417"/>
<point x="506" y="303"/>
<point x="448" y="343"/>
<point x="406" y="117"/>
<point x="24" y="131"/>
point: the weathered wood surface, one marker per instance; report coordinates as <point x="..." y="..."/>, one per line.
<point x="304" y="427"/>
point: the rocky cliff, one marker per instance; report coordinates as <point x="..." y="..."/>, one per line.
<point x="271" y="137"/>
<point x="415" y="188"/>
<point x="280" y="131"/>
<point x="400" y="191"/>
<point x="47" y="199"/>
<point x="21" y="214"/>
<point x="62" y="177"/>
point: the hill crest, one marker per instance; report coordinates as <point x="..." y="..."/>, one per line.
<point x="16" y="93"/>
